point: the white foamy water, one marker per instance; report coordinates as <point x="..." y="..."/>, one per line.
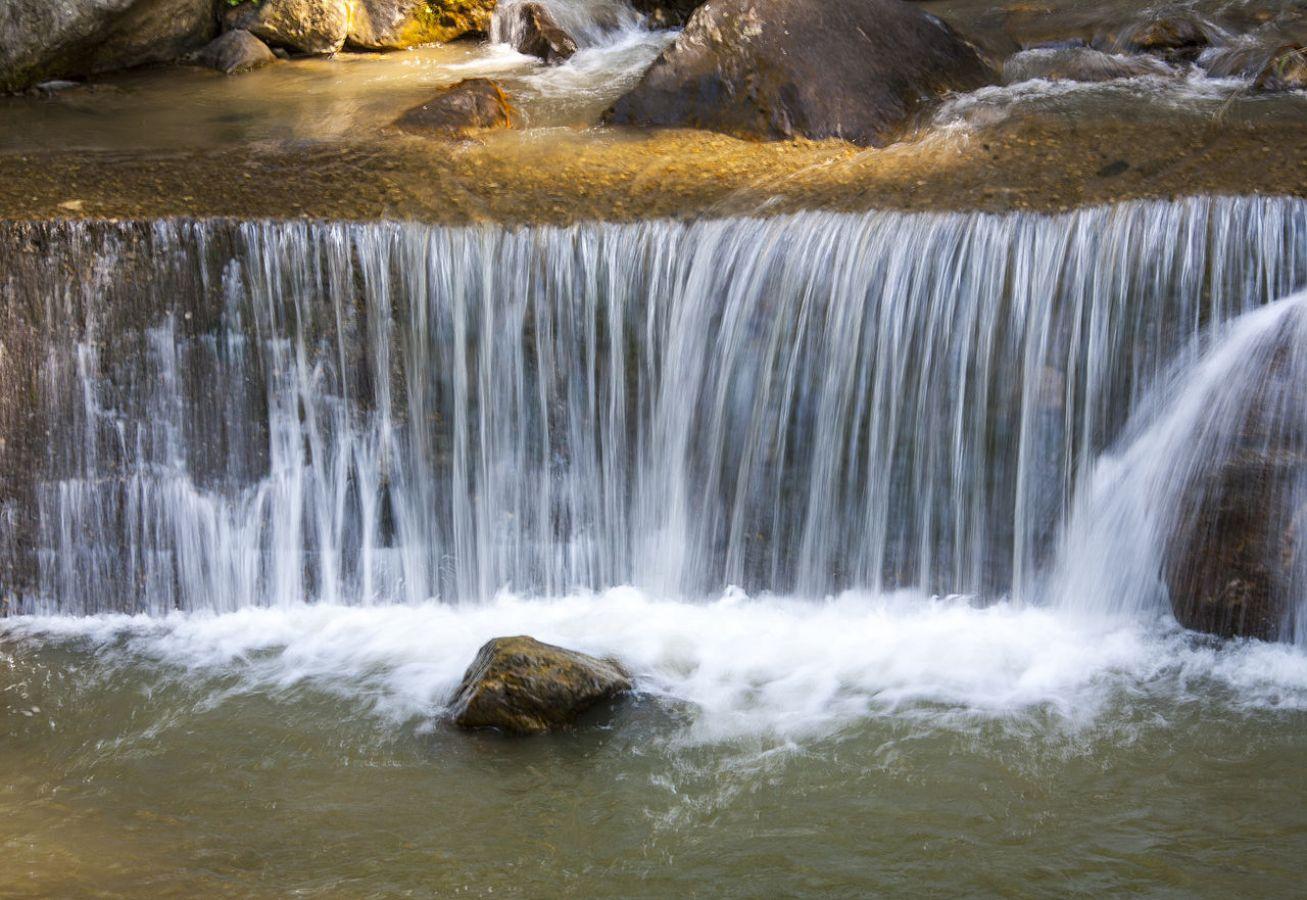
<point x="746" y="667"/>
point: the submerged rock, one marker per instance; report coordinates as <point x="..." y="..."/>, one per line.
<point x="1079" y="64"/>
<point x="520" y="685"/>
<point x="803" y="68"/>
<point x="539" y="35"/>
<point x="41" y="39"/>
<point x="1179" y="38"/>
<point x="235" y="52"/>
<point x="1285" y="71"/>
<point x="472" y="104"/>
<point x="308" y="26"/>
<point x="397" y="24"/>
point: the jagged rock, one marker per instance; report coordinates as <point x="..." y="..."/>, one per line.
<point x="522" y="686"/>
<point x="539" y="35"/>
<point x="235" y="52"/>
<point x="1079" y="64"/>
<point x="1180" y="39"/>
<point x="307" y="26"/>
<point x="472" y="104"/>
<point x="667" y="13"/>
<point x="42" y="40"/>
<point x="803" y="68"/>
<point x="397" y="24"/>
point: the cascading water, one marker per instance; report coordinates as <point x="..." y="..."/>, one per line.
<point x="220" y="415"/>
<point x="1224" y="436"/>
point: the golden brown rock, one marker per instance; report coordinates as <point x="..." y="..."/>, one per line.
<point x="473" y="104"/>
<point x="522" y="686"/>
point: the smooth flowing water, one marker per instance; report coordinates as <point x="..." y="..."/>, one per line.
<point x="845" y="492"/>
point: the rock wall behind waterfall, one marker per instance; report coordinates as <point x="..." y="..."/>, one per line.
<point x="216" y="414"/>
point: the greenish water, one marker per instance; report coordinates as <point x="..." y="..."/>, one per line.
<point x="998" y="752"/>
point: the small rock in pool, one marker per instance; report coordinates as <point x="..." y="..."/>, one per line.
<point x="472" y="104"/>
<point x="235" y="52"/>
<point x="523" y="686"/>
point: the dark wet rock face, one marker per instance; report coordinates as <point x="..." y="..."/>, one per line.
<point x="774" y="69"/>
<point x="43" y="39"/>
<point x="540" y="36"/>
<point x="235" y="52"/>
<point x="1231" y="566"/>
<point x="471" y="105"/>
<point x="1080" y="64"/>
<point x="522" y="686"/>
<point x="666" y="13"/>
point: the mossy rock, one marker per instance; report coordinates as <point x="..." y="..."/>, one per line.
<point x="522" y="686"/>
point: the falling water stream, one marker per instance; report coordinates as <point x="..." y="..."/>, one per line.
<point x="869" y="503"/>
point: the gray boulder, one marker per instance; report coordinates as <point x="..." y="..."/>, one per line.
<point x="772" y="69"/>
<point x="43" y="39"/>
<point x="522" y="686"/>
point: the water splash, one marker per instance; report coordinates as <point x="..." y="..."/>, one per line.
<point x="1238" y="412"/>
<point x="264" y="413"/>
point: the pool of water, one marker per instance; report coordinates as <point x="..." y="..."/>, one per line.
<point x="850" y="747"/>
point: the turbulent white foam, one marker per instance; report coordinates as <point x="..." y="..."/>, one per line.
<point x="769" y="667"/>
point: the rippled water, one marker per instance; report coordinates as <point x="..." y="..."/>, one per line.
<point x="866" y="744"/>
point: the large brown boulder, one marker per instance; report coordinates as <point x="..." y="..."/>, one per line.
<point x="522" y="686"/>
<point x="1230" y="564"/>
<point x="397" y="24"/>
<point x="42" y="39"/>
<point x="473" y="104"/>
<point x="306" y="26"/>
<point x="772" y="69"/>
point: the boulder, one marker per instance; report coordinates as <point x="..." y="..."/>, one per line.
<point x="235" y="52"/>
<point x="398" y="24"/>
<point x="772" y="69"/>
<point x="519" y="685"/>
<point x="1232" y="560"/>
<point x="306" y="26"/>
<point x="472" y="104"/>
<point x="537" y="34"/>
<point x="1079" y="64"/>
<point x="42" y="40"/>
<point x="666" y="13"/>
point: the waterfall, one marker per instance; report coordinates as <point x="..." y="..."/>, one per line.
<point x="1225" y="433"/>
<point x="591" y="23"/>
<point x="212" y="415"/>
